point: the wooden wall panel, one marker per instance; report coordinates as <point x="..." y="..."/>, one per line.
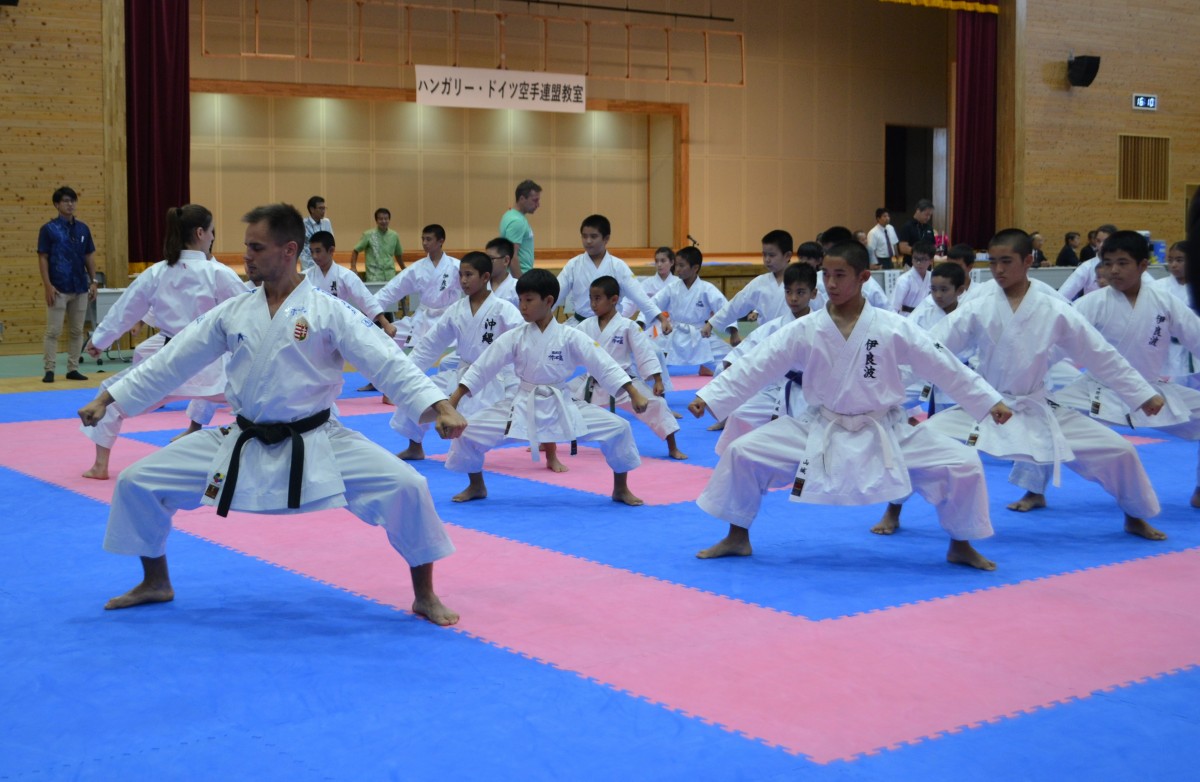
<point x="823" y="79"/>
<point x="52" y="120"/>
<point x="1070" y="134"/>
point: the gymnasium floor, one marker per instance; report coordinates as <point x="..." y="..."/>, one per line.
<point x="593" y="645"/>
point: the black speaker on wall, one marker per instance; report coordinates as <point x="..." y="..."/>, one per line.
<point x="9" y="2"/>
<point x="1081" y="71"/>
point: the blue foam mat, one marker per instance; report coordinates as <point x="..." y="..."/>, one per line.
<point x="255" y="671"/>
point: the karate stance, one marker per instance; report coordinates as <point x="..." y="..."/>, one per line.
<point x="288" y="344"/>
<point x="853" y="444"/>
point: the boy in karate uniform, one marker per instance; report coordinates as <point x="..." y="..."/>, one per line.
<point x="691" y="302"/>
<point x="629" y="346"/>
<point x="851" y="354"/>
<point x="575" y="280"/>
<point x="782" y="397"/>
<point x="1017" y="331"/>
<point x="763" y="295"/>
<point x="1142" y="322"/>
<point x="288" y="344"/>
<point x="544" y="355"/>
<point x="503" y="284"/>
<point x="913" y="285"/>
<point x="473" y="323"/>
<point x="341" y="283"/>
<point x="434" y="279"/>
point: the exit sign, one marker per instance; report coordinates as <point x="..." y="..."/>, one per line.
<point x="1145" y="102"/>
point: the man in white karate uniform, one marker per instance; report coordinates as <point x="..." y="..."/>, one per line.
<point x="288" y="344"/>
<point x="339" y="282"/>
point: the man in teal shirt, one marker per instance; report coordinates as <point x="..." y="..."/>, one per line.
<point x="514" y="226"/>
<point x="382" y="246"/>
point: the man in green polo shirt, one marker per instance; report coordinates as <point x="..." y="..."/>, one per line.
<point x="382" y="246"/>
<point x="514" y="226"/>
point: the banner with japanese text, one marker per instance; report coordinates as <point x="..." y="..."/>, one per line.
<point x="484" y="88"/>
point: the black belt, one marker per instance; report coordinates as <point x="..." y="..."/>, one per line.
<point x="166" y="340"/>
<point x="794" y="377"/>
<point x="580" y="318"/>
<point x="589" y="387"/>
<point x="906" y="309"/>
<point x="271" y="434"/>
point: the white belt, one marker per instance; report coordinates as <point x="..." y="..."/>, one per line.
<point x="854" y="423"/>
<point x="551" y="391"/>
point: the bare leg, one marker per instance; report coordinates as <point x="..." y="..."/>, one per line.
<point x="476" y="490"/>
<point x="1031" y="501"/>
<point x="963" y="553"/>
<point x="1196" y="498"/>
<point x="1139" y="527"/>
<point x="621" y="492"/>
<point x="552" y="462"/>
<point x="415" y="451"/>
<point x="99" y="468"/>
<point x="735" y="544"/>
<point x="705" y="371"/>
<point x="192" y="427"/>
<point x="427" y="603"/>
<point x="890" y="521"/>
<point x="155" y="586"/>
<point x="673" y="449"/>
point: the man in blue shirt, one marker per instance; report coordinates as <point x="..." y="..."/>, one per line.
<point x="66" y="256"/>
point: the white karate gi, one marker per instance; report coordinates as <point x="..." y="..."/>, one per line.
<point x="918" y="391"/>
<point x="1015" y="350"/>
<point x="1144" y="334"/>
<point x="473" y="333"/>
<point x="1181" y="363"/>
<point x="629" y="346"/>
<point x="575" y="282"/>
<point x="176" y="294"/>
<point x="341" y="283"/>
<point x="852" y="445"/>
<point x="542" y="410"/>
<point x="311" y="226"/>
<point x="650" y="286"/>
<point x="763" y="294"/>
<point x="437" y="286"/>
<point x="1083" y="279"/>
<point x="281" y="369"/>
<point x="507" y="290"/>
<point x="782" y="397"/>
<point x="690" y="308"/>
<point x="911" y="289"/>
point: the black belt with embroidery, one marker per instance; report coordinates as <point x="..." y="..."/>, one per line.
<point x="271" y="434"/>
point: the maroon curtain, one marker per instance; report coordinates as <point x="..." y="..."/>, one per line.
<point x="975" y="131"/>
<point x="158" y="124"/>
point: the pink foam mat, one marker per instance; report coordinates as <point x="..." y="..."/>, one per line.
<point x="656" y="481"/>
<point x="828" y="689"/>
<point x="689" y="382"/>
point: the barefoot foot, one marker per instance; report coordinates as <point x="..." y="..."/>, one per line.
<point x="890" y="521"/>
<point x="470" y="493"/>
<point x="627" y="497"/>
<point x="1139" y="527"/>
<point x="705" y="372"/>
<point x="728" y="546"/>
<point x="675" y="453"/>
<point x="963" y="553"/>
<point x="678" y="416"/>
<point x="141" y="594"/>
<point x="1196" y="498"/>
<point x="1031" y="501"/>
<point x="432" y="609"/>
<point x="718" y="426"/>
<point x="554" y="465"/>
<point x="415" y="452"/>
<point x="97" y="472"/>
